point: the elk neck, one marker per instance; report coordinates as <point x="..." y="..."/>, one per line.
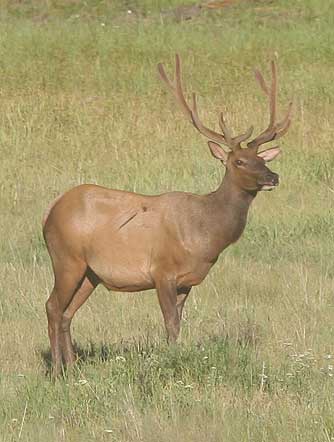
<point x="228" y="209"/>
<point x="230" y="194"/>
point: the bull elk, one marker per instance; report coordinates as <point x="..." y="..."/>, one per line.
<point x="130" y="242"/>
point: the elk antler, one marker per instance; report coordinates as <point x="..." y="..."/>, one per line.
<point x="274" y="130"/>
<point x="192" y="114"/>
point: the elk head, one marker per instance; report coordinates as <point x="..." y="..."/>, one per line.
<point x="245" y="166"/>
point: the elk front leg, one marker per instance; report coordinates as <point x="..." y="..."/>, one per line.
<point x="167" y="295"/>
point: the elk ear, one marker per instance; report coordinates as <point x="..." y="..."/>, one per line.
<point x="269" y="154"/>
<point x="218" y="152"/>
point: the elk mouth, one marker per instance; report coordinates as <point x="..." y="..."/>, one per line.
<point x="268" y="187"/>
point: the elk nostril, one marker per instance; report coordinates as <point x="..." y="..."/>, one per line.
<point x="272" y="178"/>
<point x="275" y="179"/>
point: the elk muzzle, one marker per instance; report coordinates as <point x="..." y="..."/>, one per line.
<point x="269" y="181"/>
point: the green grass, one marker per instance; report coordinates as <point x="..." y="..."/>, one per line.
<point x="80" y="101"/>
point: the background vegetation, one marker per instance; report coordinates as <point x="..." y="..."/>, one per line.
<point x="81" y="102"/>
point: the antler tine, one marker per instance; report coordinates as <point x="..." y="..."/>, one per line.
<point x="235" y="141"/>
<point x="191" y="112"/>
<point x="274" y="130"/>
<point x="284" y="124"/>
<point x="224" y="128"/>
<point x="219" y="138"/>
<point x="277" y="132"/>
<point x="261" y="81"/>
<point x="243" y="137"/>
<point x="273" y="93"/>
<point x="176" y="87"/>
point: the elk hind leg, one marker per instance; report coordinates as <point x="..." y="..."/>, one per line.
<point x="88" y="285"/>
<point x="68" y="278"/>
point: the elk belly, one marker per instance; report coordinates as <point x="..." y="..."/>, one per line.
<point x="122" y="275"/>
<point x="122" y="268"/>
<point x="128" y="283"/>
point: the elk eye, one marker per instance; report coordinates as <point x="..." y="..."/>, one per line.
<point x="239" y="162"/>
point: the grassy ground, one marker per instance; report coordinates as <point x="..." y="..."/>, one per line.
<point x="81" y="102"/>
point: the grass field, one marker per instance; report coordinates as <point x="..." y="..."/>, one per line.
<point x="80" y="101"/>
